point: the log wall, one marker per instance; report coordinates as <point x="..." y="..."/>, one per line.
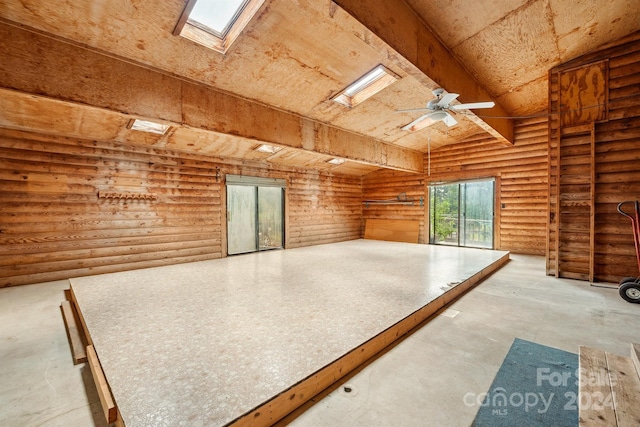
<point x="54" y="225"/>
<point x="521" y="184"/>
<point x="594" y="156"/>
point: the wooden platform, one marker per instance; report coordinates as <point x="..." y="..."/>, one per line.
<point x="245" y="340"/>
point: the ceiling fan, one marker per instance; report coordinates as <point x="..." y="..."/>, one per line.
<point x="439" y="108"/>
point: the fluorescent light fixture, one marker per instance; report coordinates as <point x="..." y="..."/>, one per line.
<point x="149" y="126"/>
<point x="266" y="148"/>
<point x="336" y="161"/>
<point x="366" y="86"/>
<point x="216" y="24"/>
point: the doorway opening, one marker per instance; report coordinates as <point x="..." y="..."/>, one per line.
<point x="462" y="214"/>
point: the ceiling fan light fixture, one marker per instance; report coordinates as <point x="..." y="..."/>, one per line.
<point x="438" y="115"/>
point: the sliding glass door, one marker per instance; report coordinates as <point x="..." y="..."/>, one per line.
<point x="255" y="214"/>
<point x="461" y="214"/>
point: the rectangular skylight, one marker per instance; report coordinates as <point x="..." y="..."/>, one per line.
<point x="418" y="124"/>
<point x="366" y="86"/>
<point x="149" y="126"/>
<point x="266" y="148"/>
<point x="336" y="161"/>
<point x="216" y="24"/>
<point x="217" y="15"/>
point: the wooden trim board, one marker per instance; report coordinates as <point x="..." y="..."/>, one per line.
<point x="108" y="405"/>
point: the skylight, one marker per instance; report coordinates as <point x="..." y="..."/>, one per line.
<point x="149" y="126"/>
<point x="216" y="23"/>
<point x="266" y="148"/>
<point x="336" y="161"/>
<point x="217" y="15"/>
<point x="366" y="86"/>
<point x="418" y="124"/>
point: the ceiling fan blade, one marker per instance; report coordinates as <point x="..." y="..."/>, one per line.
<point x="473" y="106"/>
<point x="450" y="121"/>
<point x="415" y="122"/>
<point x="447" y="98"/>
<point x="412" y="110"/>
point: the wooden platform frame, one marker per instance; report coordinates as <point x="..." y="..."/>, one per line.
<point x="279" y="406"/>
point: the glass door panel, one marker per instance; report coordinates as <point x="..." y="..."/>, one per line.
<point x="270" y="217"/>
<point x="443" y="213"/>
<point x="478" y="214"/>
<point x="461" y="214"/>
<point x="241" y="219"/>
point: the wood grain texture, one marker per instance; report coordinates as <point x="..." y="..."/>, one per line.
<point x="393" y="230"/>
<point x="594" y="154"/>
<point x="521" y="187"/>
<point x="594" y="388"/>
<point x="625" y="385"/>
<point x="54" y="226"/>
<point x="106" y="400"/>
<point x="76" y="341"/>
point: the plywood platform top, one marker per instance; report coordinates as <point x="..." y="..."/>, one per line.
<point x="204" y="343"/>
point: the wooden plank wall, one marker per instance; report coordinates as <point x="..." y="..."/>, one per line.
<point x="54" y="226"/>
<point x="594" y="166"/>
<point x="387" y="185"/>
<point x="521" y="182"/>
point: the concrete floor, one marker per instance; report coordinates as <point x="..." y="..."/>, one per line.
<point x="421" y="381"/>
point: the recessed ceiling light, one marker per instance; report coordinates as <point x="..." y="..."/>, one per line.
<point x="336" y="161"/>
<point x="149" y="126"/>
<point x="366" y="86"/>
<point x="266" y="148"/>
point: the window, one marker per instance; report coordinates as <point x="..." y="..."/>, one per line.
<point x="366" y="86"/>
<point x="216" y="23"/>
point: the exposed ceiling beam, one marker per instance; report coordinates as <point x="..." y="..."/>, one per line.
<point x="396" y="23"/>
<point x="35" y="64"/>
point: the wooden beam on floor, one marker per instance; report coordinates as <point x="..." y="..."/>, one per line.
<point x="635" y="356"/>
<point x="108" y="405"/>
<point x="625" y="385"/>
<point x="74" y="335"/>
<point x="408" y="35"/>
<point x="594" y="383"/>
<point x="39" y="66"/>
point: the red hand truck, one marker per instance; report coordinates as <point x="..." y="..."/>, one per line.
<point x="630" y="286"/>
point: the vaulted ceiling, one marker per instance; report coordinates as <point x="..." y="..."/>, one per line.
<point x="291" y="59"/>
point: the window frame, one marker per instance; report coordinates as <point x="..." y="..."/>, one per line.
<point x="208" y="37"/>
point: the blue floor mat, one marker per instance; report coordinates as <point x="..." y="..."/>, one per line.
<point x="535" y="386"/>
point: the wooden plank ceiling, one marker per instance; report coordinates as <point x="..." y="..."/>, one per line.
<point x="292" y="58"/>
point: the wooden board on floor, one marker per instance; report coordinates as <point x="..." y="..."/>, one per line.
<point x="73" y="333"/>
<point x="393" y="230"/>
<point x="593" y="368"/>
<point x="625" y="385"/>
<point x="635" y="356"/>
